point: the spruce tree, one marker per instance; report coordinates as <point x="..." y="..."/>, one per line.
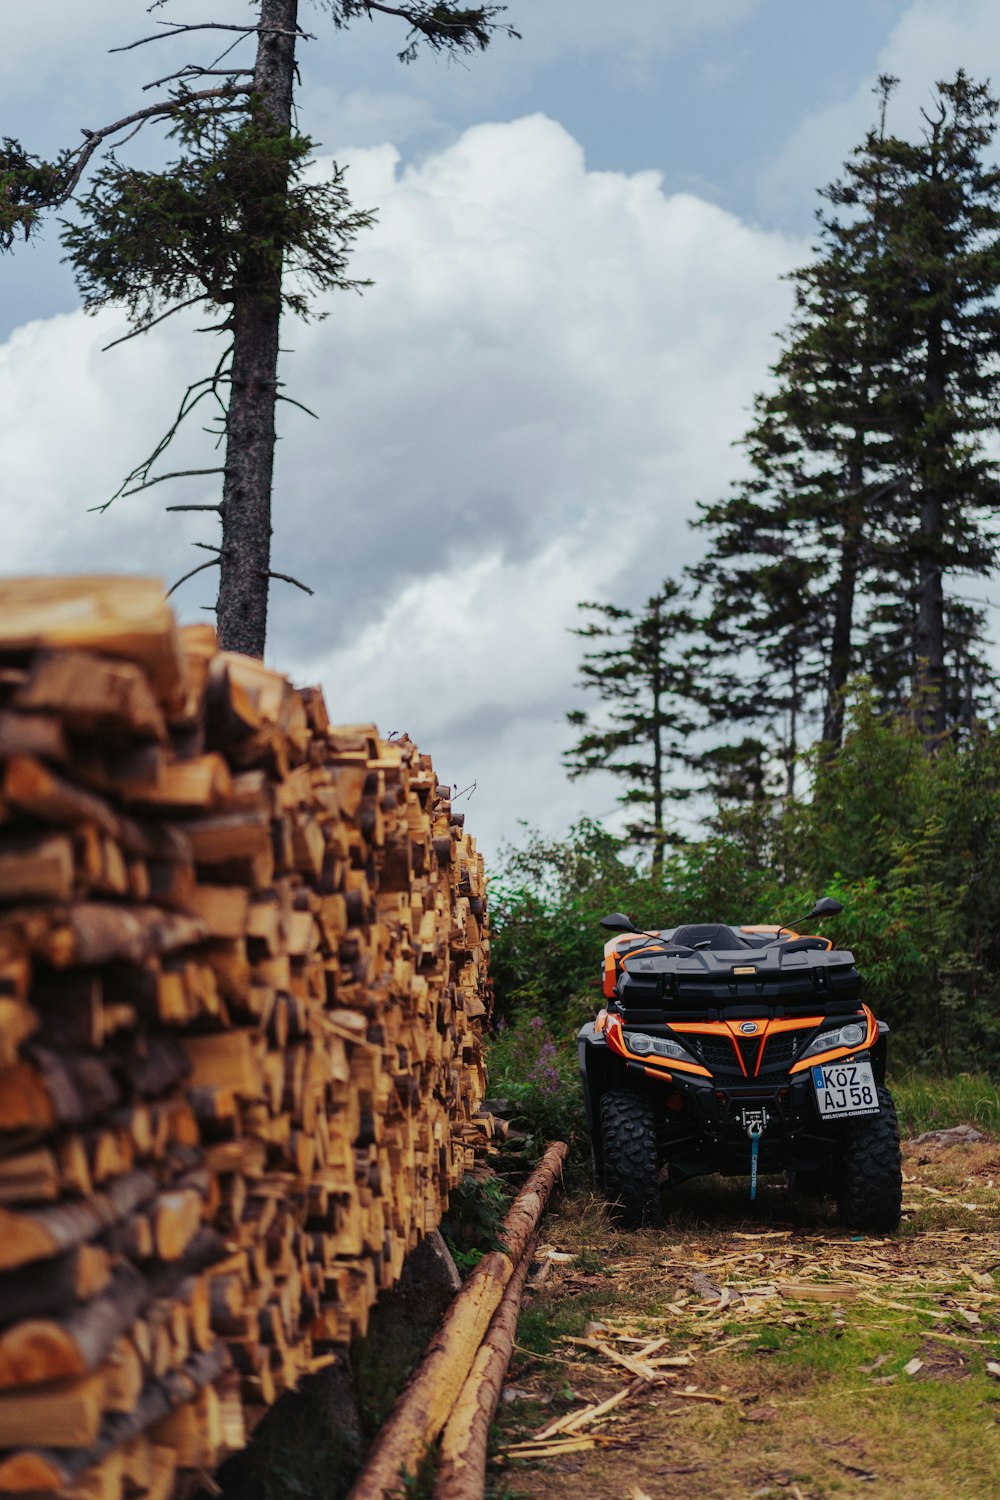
<point x="867" y="458"/>
<point x="644" y="669"/>
<point x="818" y="469"/>
<point x="932" y="276"/>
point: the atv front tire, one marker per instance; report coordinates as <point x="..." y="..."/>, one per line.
<point x="631" y="1160"/>
<point x="870" y="1171"/>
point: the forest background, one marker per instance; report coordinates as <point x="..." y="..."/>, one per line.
<point x="819" y="684"/>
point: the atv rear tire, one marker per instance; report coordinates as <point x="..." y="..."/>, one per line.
<point x="631" y="1160"/>
<point x="870" y="1171"/>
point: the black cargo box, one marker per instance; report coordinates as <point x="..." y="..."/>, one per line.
<point x="773" y="981"/>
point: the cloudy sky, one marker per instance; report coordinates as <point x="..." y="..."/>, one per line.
<point x="577" y="278"/>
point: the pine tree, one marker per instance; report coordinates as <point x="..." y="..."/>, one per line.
<point x="224" y="227"/>
<point x="644" y="669"/>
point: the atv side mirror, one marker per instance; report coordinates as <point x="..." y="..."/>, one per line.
<point x="618" y="922"/>
<point x="827" y="906"/>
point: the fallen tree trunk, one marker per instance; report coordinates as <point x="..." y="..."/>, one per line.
<point x="427" y="1399"/>
<point x="461" y="1471"/>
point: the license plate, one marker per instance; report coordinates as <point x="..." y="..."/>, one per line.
<point x="845" y="1089"/>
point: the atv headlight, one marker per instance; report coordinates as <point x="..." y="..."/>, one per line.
<point x="851" y="1035"/>
<point x="638" y="1041"/>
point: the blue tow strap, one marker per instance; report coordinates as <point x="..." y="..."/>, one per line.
<point x="754" y="1147"/>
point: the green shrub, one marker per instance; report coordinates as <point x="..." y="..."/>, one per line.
<point x="536" y="1072"/>
<point x="476" y="1209"/>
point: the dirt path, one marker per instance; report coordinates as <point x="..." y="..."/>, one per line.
<point x="761" y="1351"/>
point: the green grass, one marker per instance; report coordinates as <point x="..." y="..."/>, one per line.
<point x="926" y="1101"/>
<point x="545" y="1323"/>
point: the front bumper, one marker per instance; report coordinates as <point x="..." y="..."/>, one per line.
<point x="704" y="1124"/>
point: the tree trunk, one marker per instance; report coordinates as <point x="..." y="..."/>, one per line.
<point x="929" y="632"/>
<point x="245" y="558"/>
<point x="659" y="832"/>
<point x="843" y="609"/>
<point x="461" y="1470"/>
<point x="928" y="641"/>
<point x="792" y="748"/>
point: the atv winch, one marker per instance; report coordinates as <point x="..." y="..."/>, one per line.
<point x="754" y="1123"/>
<point x="714" y="1037"/>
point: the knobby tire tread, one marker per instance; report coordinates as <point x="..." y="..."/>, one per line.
<point x="871" y="1171"/>
<point x="631" y="1159"/>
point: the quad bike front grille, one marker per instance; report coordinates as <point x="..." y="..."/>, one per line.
<point x="758" y="1055"/>
<point x="717" y="1053"/>
<point x="782" y="1049"/>
<point x="749" y="1051"/>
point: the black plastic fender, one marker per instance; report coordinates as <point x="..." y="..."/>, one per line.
<point x="592" y="1049"/>
<point x="879" y="1051"/>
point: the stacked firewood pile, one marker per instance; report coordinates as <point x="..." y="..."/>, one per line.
<point x="242" y="978"/>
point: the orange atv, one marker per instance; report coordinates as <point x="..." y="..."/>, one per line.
<point x="739" y="1050"/>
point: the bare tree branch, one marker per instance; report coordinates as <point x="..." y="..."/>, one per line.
<point x="292" y="402"/>
<point x="208" y="386"/>
<point x="286" y="578"/>
<point x="178" y="28"/>
<point x="191" y="70"/>
<point x="147" y="484"/>
<point x="145" y="327"/>
<point x="213" y="562"/>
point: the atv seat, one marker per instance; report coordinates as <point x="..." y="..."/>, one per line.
<point x="714" y="935"/>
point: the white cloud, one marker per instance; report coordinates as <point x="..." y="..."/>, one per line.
<point x="549" y="371"/>
<point x="929" y="43"/>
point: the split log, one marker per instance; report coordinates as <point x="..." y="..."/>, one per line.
<point x="40" y="1469"/>
<point x="33" y="789"/>
<point x="49" y="1089"/>
<point x="18" y="1022"/>
<point x="49" y="1287"/>
<point x="29" y="1177"/>
<point x="93" y="933"/>
<point x="67" y="1415"/>
<point x="36" y="867"/>
<point x="427" y="1399"/>
<point x="35" y="1235"/>
<point x="43" y="1349"/>
<point x="223" y="909"/>
<point x="201" y="782"/>
<point x="92" y="695"/>
<point x="116" y="615"/>
<point x="32" y="734"/>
